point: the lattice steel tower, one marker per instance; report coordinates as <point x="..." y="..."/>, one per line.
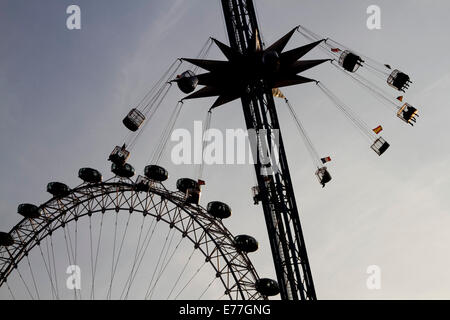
<point x="277" y="194"/>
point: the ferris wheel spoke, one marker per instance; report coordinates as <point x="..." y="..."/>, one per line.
<point x="54" y="263"/>
<point x="46" y="263"/>
<point x="133" y="265"/>
<point x="24" y="283"/>
<point x="118" y="255"/>
<point x="113" y="253"/>
<point x="141" y="257"/>
<point x="190" y="280"/>
<point x="180" y="275"/>
<point x="158" y="262"/>
<point x="164" y="266"/>
<point x="32" y="277"/>
<point x="10" y="291"/>
<point x="207" y="288"/>
<point x="75" y="253"/>
<point x="71" y="250"/>
<point x="68" y="257"/>
<point x="96" y="256"/>
<point x="48" y="271"/>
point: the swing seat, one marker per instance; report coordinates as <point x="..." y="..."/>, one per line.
<point x="187" y="81"/>
<point x="133" y="120"/>
<point x="407" y="113"/>
<point x="350" y="61"/>
<point x="399" y="80"/>
<point x="119" y="155"/>
<point x="323" y="175"/>
<point x="380" y="146"/>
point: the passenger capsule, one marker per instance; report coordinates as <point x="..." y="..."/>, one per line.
<point x="125" y="171"/>
<point x="119" y="155"/>
<point x="323" y="175"/>
<point x="28" y="210"/>
<point x="58" y="189"/>
<point x="218" y="209"/>
<point x="133" y="120"/>
<point x="245" y="243"/>
<point x="90" y="175"/>
<point x="350" y="61"/>
<point x="6" y="239"/>
<point x="267" y="287"/>
<point x="399" y="80"/>
<point x="380" y="146"/>
<point x="156" y="173"/>
<point x="187" y="81"/>
<point x="184" y="184"/>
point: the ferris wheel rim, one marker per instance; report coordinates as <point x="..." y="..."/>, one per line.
<point x="7" y="265"/>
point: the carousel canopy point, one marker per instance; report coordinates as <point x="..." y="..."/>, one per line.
<point x="187" y="81"/>
<point x="218" y="209"/>
<point x="6" y="240"/>
<point x="28" y="210"/>
<point x="133" y="120"/>
<point x="245" y="243"/>
<point x="267" y="287"/>
<point x="156" y="173"/>
<point x="58" y="189"/>
<point x="125" y="171"/>
<point x="90" y="175"/>
<point x="184" y="184"/>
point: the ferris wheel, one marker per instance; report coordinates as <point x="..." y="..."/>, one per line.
<point x="158" y="236"/>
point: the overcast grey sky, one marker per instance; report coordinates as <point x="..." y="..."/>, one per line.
<point x="64" y="94"/>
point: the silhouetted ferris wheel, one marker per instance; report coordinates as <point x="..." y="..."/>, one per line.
<point x="159" y="238"/>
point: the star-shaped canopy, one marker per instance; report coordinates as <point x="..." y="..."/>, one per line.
<point x="228" y="79"/>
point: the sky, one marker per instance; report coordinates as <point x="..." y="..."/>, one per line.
<point x="64" y="93"/>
